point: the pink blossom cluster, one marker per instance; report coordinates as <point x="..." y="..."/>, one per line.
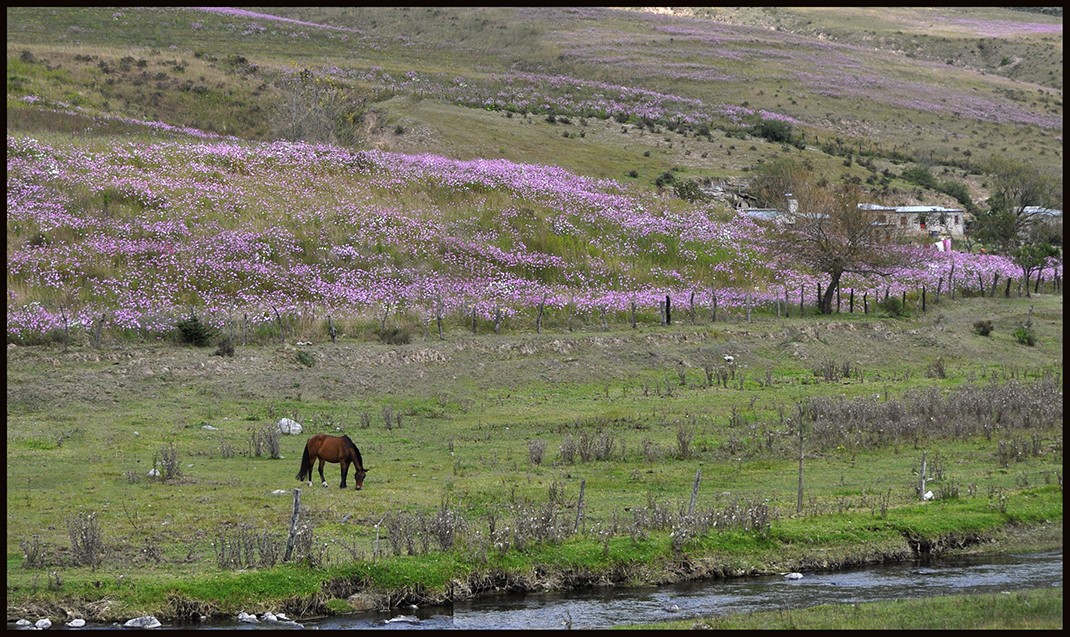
<point x="144" y="232"/>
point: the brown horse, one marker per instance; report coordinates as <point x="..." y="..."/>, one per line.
<point x="327" y="448"/>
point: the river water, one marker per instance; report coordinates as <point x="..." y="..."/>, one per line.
<point x="616" y="606"/>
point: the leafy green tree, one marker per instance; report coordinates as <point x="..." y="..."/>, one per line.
<point x="1014" y="223"/>
<point x="920" y="175"/>
<point x="773" y="130"/>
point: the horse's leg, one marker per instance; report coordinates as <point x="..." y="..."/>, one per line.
<point x="323" y="480"/>
<point x="345" y="470"/>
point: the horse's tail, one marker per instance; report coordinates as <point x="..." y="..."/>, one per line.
<point x="306" y="466"/>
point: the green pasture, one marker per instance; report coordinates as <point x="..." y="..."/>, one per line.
<point x="85" y="427"/>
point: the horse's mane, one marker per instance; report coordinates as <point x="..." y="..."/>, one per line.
<point x="352" y="445"/>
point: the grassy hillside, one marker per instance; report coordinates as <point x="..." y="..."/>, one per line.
<point x="886" y="91"/>
<point x="659" y="111"/>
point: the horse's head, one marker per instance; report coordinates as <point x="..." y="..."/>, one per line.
<point x="358" y="477"/>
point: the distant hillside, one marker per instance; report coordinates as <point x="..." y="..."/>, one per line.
<point x="481" y="162"/>
<point x="946" y="87"/>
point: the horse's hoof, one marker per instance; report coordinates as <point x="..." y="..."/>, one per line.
<point x="325" y="485"/>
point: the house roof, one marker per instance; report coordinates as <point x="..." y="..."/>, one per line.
<point x="1040" y="210"/>
<point x="917" y="209"/>
<point x="765" y="214"/>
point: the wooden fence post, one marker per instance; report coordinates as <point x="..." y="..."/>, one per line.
<point x="694" y="492"/>
<point x="278" y="318"/>
<point x="921" y="478"/>
<point x="293" y="526"/>
<point x="579" y="505"/>
<point x="799" y="497"/>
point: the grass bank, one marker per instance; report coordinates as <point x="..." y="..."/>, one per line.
<point x="1038" y="609"/>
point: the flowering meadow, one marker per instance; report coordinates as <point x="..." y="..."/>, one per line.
<point x="143" y="234"/>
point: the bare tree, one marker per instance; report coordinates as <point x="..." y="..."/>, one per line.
<point x="825" y="230"/>
<point x="317" y="109"/>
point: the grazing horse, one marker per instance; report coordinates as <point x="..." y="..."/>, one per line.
<point x="327" y="448"/>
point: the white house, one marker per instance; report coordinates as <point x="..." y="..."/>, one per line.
<point x="936" y="221"/>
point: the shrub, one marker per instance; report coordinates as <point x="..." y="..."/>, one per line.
<point x="226" y="347"/>
<point x="937" y="369"/>
<point x="772" y="130"/>
<point x="664" y="179"/>
<point x="892" y="306"/>
<point x="536" y="448"/>
<point x="193" y="332"/>
<point x="1025" y="336"/>
<point x="394" y="336"/>
<point x="983" y="327"/>
<point x="306" y="358"/>
<point x="87" y="543"/>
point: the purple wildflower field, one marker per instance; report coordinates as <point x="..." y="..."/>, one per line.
<point x="145" y="232"/>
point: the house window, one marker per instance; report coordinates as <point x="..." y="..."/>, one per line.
<point x="956" y="220"/>
<point x="902" y="221"/>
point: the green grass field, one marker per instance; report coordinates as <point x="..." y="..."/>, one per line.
<point x="85" y="426"/>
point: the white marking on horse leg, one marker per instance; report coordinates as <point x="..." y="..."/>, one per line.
<point x="325" y="485"/>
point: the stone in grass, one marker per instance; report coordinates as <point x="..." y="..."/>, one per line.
<point x="289" y="426"/>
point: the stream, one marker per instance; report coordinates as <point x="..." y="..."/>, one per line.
<point x="617" y="606"/>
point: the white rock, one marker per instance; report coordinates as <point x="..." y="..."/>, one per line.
<point x="282" y="617"/>
<point x="279" y="492"/>
<point x="268" y="617"/>
<point x="408" y="619"/>
<point x="23" y="622"/>
<point x="209" y="427"/>
<point x="928" y="495"/>
<point x="148" y="621"/>
<point x="247" y="618"/>
<point x="44" y="624"/>
<point x="793" y="576"/>
<point x="76" y="623"/>
<point x="153" y="473"/>
<point x="289" y="426"/>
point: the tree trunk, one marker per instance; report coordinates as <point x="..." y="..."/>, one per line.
<point x="829" y="293"/>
